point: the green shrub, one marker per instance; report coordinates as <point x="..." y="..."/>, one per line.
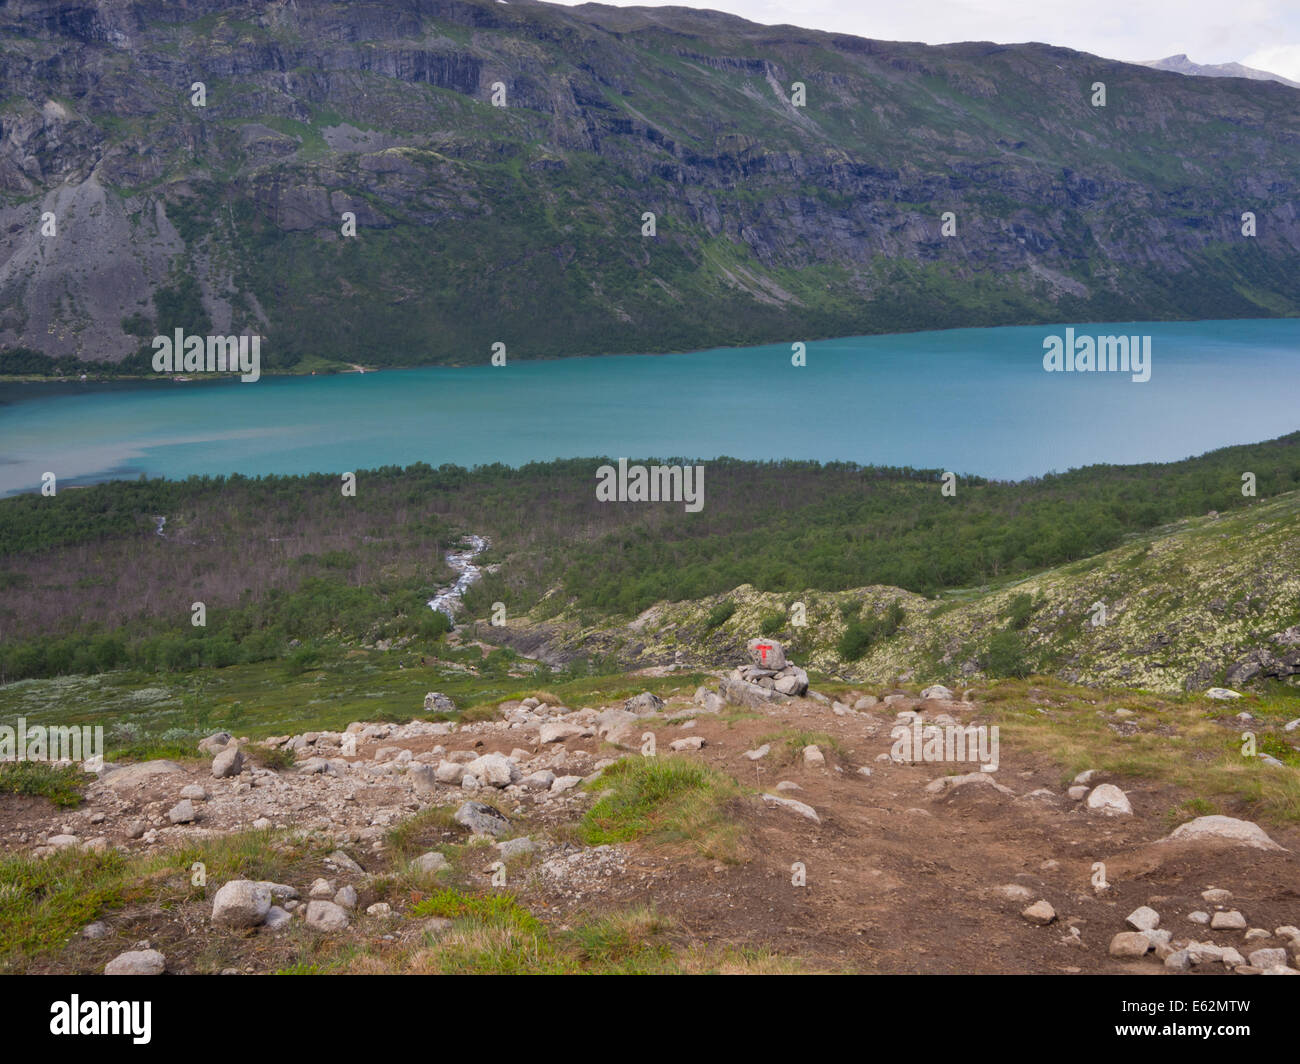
<point x="720" y="614"/>
<point x="1007" y="655"/>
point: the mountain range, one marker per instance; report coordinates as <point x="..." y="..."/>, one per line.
<point x="195" y="165"/>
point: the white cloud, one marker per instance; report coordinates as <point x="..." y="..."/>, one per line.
<point x="1281" y="59"/>
<point x="1255" y="32"/>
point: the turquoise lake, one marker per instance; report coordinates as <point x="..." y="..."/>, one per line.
<point x="970" y="400"/>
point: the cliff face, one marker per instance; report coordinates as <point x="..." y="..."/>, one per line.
<point x="523" y="223"/>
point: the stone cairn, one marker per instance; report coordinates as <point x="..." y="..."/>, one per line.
<point x="766" y="677"/>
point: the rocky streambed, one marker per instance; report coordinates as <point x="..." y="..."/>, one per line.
<point x="461" y="562"/>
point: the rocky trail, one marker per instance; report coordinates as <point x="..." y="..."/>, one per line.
<point x="848" y="858"/>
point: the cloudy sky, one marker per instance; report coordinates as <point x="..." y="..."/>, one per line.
<point x="1259" y="33"/>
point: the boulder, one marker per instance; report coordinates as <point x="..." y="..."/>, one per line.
<point x="437" y="702"/>
<point x="737" y="692"/>
<point x="429" y="863"/>
<point x="516" y="848"/>
<point x="938" y="693"/>
<point x="424" y="778"/>
<point x="131" y="775"/>
<point x="241" y="903"/>
<point x="1040" y="913"/>
<point x="1108" y="800"/>
<point x="644" y="704"/>
<point x="182" y="812"/>
<point x="493" y="770"/>
<point x="1130" y="944"/>
<point x="1224" y="829"/>
<point x="557" y="731"/>
<point x="215" y="743"/>
<point x="483" y="819"/>
<point x="449" y="772"/>
<point x="227" y="763"/>
<point x="326" y="916"/>
<point x="766" y="654"/>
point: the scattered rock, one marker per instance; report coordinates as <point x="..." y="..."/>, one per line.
<point x="1221" y="694"/>
<point x="137" y="962"/>
<point x="813" y="757"/>
<point x="806" y="811"/>
<point x="1130" y="944"/>
<point x="1231" y="920"/>
<point x="429" y="863"/>
<point x="513" y="848"/>
<point x="1268" y="958"/>
<point x="346" y="898"/>
<point x="1039" y="913"/>
<point x="1143" y="918"/>
<point x="761" y="752"/>
<point x="182" y="812"/>
<point x="945" y="784"/>
<point x="938" y="693"/>
<point x="692" y="742"/>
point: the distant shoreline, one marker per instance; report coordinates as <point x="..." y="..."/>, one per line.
<point x="332" y="369"/>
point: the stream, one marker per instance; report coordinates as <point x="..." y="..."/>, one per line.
<point x="462" y="562"/>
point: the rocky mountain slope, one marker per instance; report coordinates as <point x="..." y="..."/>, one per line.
<point x="1210" y="599"/>
<point x="523" y="223"/>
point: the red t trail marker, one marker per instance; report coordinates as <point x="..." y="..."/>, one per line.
<point x="764" y="649"/>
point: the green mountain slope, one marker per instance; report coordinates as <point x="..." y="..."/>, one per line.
<point x="523" y="224"/>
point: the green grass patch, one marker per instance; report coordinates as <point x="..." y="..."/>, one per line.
<point x="667" y="800"/>
<point x="63" y="785"/>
